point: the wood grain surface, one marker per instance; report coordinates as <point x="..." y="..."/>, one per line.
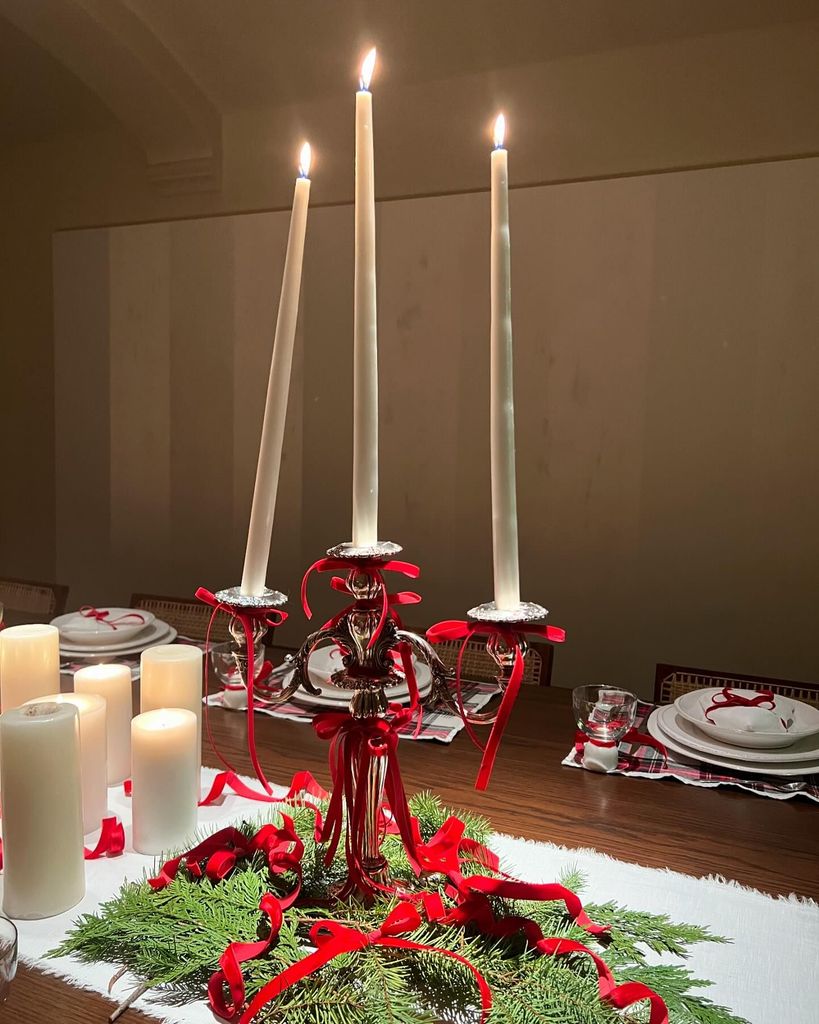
<point x="769" y="844"/>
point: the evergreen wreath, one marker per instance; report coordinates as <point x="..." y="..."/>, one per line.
<point x="171" y="939"/>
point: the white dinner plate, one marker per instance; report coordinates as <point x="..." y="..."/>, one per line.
<point x="684" y="732"/>
<point x="730" y="725"/>
<point x="657" y="729"/>
<point x="158" y="633"/>
<point x="80" y="630"/>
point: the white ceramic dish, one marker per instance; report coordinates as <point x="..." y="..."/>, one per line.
<point x="662" y="726"/>
<point x="158" y="633"/>
<point x="79" y="630"/>
<point x="753" y="728"/>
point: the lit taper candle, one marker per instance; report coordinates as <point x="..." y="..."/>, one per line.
<point x="278" y="386"/>
<point x="502" y="414"/>
<point x="365" y="330"/>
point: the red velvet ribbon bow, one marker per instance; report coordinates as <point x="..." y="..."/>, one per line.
<point x="456" y="629"/>
<point x="729" y="699"/>
<point x="383" y="602"/>
<point x="88" y="611"/>
<point x="215" y="857"/>
<point x="354" y="744"/>
<point x="111" y="842"/>
<point x="332" y="939"/>
<point x="248" y="618"/>
<point x="632" y="736"/>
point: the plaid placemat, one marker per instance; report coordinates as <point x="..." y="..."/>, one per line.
<point x="648" y="763"/>
<point x="437" y="724"/>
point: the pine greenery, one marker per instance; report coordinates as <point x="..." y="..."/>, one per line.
<point x="172" y="939"/>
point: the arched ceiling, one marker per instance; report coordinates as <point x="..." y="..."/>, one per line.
<point x="168" y="70"/>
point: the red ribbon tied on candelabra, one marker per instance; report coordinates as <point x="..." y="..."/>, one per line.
<point x="103" y="615"/>
<point x="248" y="617"/>
<point x="331" y="939"/>
<point x="355" y="743"/>
<point x="456" y="629"/>
<point x="726" y="698"/>
<point x="384" y="602"/>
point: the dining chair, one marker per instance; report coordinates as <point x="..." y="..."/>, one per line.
<point x="671" y="681"/>
<point x="477" y="666"/>
<point x="188" y="616"/>
<point x="25" y="601"/>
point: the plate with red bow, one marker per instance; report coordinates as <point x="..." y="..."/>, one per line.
<point x="753" y="719"/>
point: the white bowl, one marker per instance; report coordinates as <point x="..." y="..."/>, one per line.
<point x="86" y="631"/>
<point x="757" y="727"/>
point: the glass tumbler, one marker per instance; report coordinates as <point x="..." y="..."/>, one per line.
<point x="604" y="714"/>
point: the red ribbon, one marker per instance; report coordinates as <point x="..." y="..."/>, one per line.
<point x="103" y="615"/>
<point x="354" y="744"/>
<point x="632" y="736"/>
<point x="733" y="700"/>
<point x="331" y="939"/>
<point x="215" y="857"/>
<point x="111" y="842"/>
<point x="374" y="572"/>
<point x="248" y="618"/>
<point x="230" y="971"/>
<point x="456" y="629"/>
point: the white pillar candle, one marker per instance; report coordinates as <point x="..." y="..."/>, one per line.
<point x="165" y="779"/>
<point x="43" y="867"/>
<point x="365" y="328"/>
<point x="29" y="663"/>
<point x="502" y="411"/>
<point x="113" y="683"/>
<point x="93" y="753"/>
<point x="278" y="386"/>
<point x="171" y="677"/>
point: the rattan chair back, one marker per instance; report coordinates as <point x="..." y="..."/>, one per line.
<point x="188" y="616"/>
<point x="477" y="665"/>
<point x="26" y="601"/>
<point x="672" y="681"/>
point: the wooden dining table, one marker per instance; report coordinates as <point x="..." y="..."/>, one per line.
<point x="769" y="844"/>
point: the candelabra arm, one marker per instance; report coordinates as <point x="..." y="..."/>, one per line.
<point x="441" y="675"/>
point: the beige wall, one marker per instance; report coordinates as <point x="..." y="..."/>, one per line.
<point x="666" y="380"/>
<point x="665" y="334"/>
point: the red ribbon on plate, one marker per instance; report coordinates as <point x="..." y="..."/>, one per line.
<point x="102" y="615"/>
<point x="456" y="629"/>
<point x="733" y="700"/>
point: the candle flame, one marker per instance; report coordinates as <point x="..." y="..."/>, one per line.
<point x="367" y="67"/>
<point x="304" y="160"/>
<point x="500" y="130"/>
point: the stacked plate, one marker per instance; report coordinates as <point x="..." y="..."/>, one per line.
<point x="110" y="633"/>
<point x="777" y="737"/>
<point x="327" y="660"/>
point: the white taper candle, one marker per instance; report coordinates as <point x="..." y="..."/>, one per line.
<point x="365" y="327"/>
<point x="502" y="414"/>
<point x="263" y="508"/>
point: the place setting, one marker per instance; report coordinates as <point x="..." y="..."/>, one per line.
<point x="753" y="739"/>
<point x="98" y="635"/>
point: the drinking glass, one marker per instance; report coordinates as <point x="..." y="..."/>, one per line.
<point x="8" y="956"/>
<point x="604" y="713"/>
